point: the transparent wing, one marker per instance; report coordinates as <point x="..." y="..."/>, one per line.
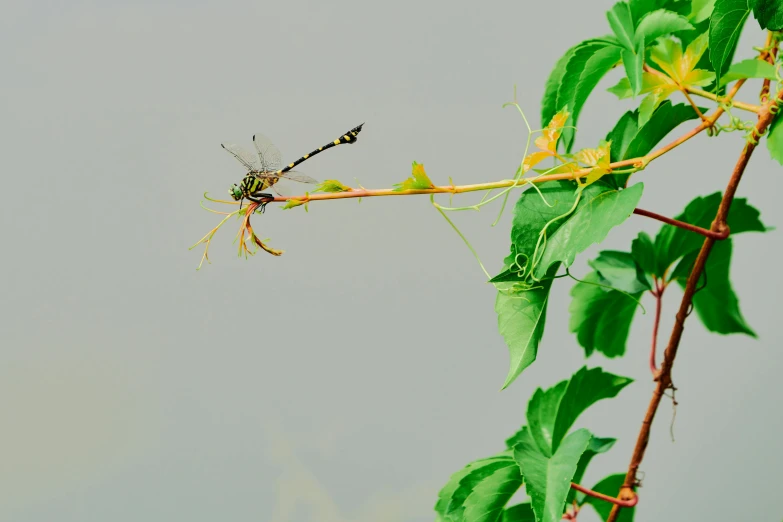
<point x="269" y="156"/>
<point x="246" y="158"/>
<point x="294" y="175"/>
<point x="284" y="184"/>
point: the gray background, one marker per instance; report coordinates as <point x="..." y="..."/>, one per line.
<point x="346" y="380"/>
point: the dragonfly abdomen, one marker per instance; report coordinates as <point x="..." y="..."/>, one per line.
<point x="349" y="137"/>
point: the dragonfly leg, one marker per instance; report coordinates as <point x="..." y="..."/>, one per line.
<point x="262" y="199"/>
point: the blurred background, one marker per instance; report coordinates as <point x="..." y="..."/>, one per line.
<point x="346" y="380"/>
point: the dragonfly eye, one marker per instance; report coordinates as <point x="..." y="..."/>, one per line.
<point x="235" y="192"/>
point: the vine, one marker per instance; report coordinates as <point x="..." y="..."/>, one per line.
<point x="661" y="47"/>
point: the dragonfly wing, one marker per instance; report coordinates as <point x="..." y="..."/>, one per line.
<point x="250" y="161"/>
<point x="294" y="175"/>
<point x="268" y="155"/>
<point x="284" y="184"/>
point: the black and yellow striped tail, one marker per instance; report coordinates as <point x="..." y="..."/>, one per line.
<point x="349" y="137"/>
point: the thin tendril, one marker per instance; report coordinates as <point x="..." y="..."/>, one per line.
<point x="457" y="230"/>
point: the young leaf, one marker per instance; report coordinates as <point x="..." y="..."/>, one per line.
<point x="620" y="21"/>
<point x="600" y="209"/>
<point x="417" y="181"/>
<point x="519" y="513"/>
<point x="680" y="69"/>
<point x="775" y="140"/>
<point x="548" y="478"/>
<point x="594" y="447"/>
<point x="551" y="413"/>
<point x="585" y="68"/>
<point x="480" y="491"/>
<point x="728" y="18"/>
<point x="769" y="14"/>
<point x="521" y="320"/>
<point x="609" y="486"/>
<point x="332" y="185"/>
<point x="547" y="142"/>
<point x="292" y="203"/>
<point x="659" y="23"/>
<point x="596" y="158"/>
<point x="750" y="68"/>
<point x="601" y="318"/>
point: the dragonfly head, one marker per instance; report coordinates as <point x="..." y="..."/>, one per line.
<point x="235" y="192"/>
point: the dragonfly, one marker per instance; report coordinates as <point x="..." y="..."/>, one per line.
<point x="264" y="167"/>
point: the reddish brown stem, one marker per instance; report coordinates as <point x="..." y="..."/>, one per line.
<point x="658" y="293"/>
<point x="764" y="95"/>
<point x="681" y="224"/>
<point x="589" y="492"/>
<point x="664" y="378"/>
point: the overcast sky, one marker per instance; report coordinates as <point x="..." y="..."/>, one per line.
<point x="346" y="380"/>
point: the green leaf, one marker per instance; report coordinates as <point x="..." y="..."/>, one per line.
<point x="601" y="318"/>
<point x="549" y="105"/>
<point x="519" y="513"/>
<point x="659" y="23"/>
<point x="417" y="181"/>
<point x="702" y="10"/>
<point x="332" y="185"/>
<point x="552" y="412"/>
<point x="631" y="141"/>
<point x="769" y="14"/>
<point x="594" y="447"/>
<point x="716" y="303"/>
<point x="620" y="21"/>
<point x="665" y="119"/>
<point x="548" y="478"/>
<point x="609" y="486"/>
<point x="750" y="68"/>
<point x="600" y="209"/>
<point x="521" y="320"/>
<point x="633" y="61"/>
<point x="292" y="203"/>
<point x="479" y="491"/>
<point x="622" y="134"/>
<point x="672" y="242"/>
<point x="639" y="8"/>
<point x="585" y="68"/>
<point x="775" y="140"/>
<point x="620" y="270"/>
<point x="643" y="252"/>
<point x="532" y="212"/>
<point x="726" y="23"/>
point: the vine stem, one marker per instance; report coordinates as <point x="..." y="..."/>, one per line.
<point x="664" y="377"/>
<point x="638" y="162"/>
<point x="658" y="293"/>
<point x="681" y="224"/>
<point x="589" y="492"/>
